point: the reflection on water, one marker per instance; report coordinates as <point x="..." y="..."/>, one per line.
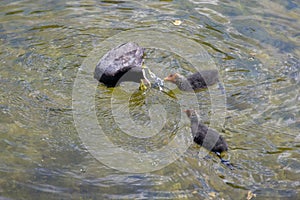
<point x="255" y="46"/>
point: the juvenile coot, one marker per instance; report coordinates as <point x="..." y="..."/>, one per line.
<point x="204" y="136"/>
<point x="208" y="138"/>
<point x="122" y="63"/>
<point x="196" y="81"/>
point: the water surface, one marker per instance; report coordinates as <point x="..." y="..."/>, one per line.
<point x="255" y="46"/>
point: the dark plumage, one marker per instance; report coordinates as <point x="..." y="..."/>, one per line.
<point x="204" y="136"/>
<point x="198" y="80"/>
<point x="122" y="63"/>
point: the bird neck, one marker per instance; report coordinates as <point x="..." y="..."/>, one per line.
<point x="194" y="125"/>
<point x="182" y="83"/>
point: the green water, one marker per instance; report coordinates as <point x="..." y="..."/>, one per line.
<point x="254" y="45"/>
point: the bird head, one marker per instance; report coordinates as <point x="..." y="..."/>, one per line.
<point x="191" y="113"/>
<point x="172" y="78"/>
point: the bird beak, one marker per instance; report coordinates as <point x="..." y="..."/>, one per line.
<point x="168" y="79"/>
<point x="171" y="78"/>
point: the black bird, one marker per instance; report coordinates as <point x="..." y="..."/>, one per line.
<point x="195" y="81"/>
<point x="206" y="137"/>
<point x="122" y="63"/>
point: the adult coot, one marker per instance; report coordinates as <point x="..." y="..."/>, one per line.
<point x="196" y="81"/>
<point x="122" y="63"/>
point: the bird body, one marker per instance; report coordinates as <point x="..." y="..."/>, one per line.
<point x="195" y="81"/>
<point x="204" y="136"/>
<point x="122" y="63"/>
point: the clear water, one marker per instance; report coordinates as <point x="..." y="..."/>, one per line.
<point x="254" y="45"/>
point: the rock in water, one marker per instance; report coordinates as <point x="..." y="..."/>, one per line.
<point x="122" y="63"/>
